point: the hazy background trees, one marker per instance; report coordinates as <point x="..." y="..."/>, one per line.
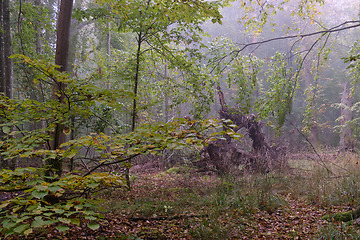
<point x="114" y="80"/>
<point x="282" y="62"/>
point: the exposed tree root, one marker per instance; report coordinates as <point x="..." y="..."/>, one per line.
<point x="225" y="154"/>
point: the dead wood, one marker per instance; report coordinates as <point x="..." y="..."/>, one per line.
<point x="225" y="155"/>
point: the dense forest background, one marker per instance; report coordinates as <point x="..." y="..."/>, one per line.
<point x="97" y="92"/>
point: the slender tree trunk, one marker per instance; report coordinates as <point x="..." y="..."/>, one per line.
<point x="6" y="65"/>
<point x="61" y="59"/>
<point x="314" y="131"/>
<point x="166" y="96"/>
<point x="3" y="163"/>
<point x="6" y="68"/>
<point x="7" y="50"/>
<point x="346" y="113"/>
<point x="108" y="54"/>
<point x="136" y="81"/>
<point x="38" y="50"/>
<point x="108" y="51"/>
<point x="134" y="111"/>
<point x="2" y="47"/>
<point x="38" y="42"/>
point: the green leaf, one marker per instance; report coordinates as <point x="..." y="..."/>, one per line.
<point x="39" y="194"/>
<point x="54" y="188"/>
<point x="59" y="211"/>
<point x="15" y="209"/>
<point x="34" y="206"/>
<point x="65" y="220"/>
<point x="93" y="225"/>
<point x="38" y="222"/>
<point x="4" y="204"/>
<point x="8" y="224"/>
<point x="71" y="153"/>
<point x="48" y="214"/>
<point x="62" y="228"/>
<point x="75" y="221"/>
<point x="90" y="218"/>
<point x="21" y="228"/>
<point x="28" y="231"/>
<point x="6" y="129"/>
<point x="41" y="187"/>
<point x="93" y="185"/>
<point x="19" y="220"/>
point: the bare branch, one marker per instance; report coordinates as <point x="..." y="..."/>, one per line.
<point x="337" y="28"/>
<point x="355" y="24"/>
<point x="103" y="164"/>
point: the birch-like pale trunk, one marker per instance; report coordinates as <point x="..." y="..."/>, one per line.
<point x="347" y="115"/>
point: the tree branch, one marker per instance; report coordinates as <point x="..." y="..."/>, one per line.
<point x="338" y="28"/>
<point x="111" y="163"/>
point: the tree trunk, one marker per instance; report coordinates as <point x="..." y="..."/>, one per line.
<point x="61" y="59"/>
<point x="166" y="96"/>
<point x="38" y="42"/>
<point x="108" y="55"/>
<point x="136" y="80"/>
<point x="2" y="47"/>
<point x="63" y="35"/>
<point x="314" y="130"/>
<point x="134" y="110"/>
<point x="7" y="50"/>
<point x="6" y="74"/>
<point x="108" y="51"/>
<point x="347" y="115"/>
<point x="6" y="64"/>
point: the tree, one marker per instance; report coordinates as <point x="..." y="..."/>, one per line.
<point x="61" y="59"/>
<point x="155" y="32"/>
<point x="6" y="65"/>
<point x="346" y="134"/>
<point x="157" y="25"/>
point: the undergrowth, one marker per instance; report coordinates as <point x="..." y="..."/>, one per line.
<point x="222" y="207"/>
<point x="180" y="203"/>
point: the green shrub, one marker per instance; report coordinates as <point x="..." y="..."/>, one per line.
<point x="61" y="203"/>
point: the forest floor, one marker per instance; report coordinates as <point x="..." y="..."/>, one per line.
<point x="181" y="203"/>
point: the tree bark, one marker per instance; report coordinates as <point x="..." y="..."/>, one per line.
<point x="166" y="96"/>
<point x="63" y="35"/>
<point x="61" y="59"/>
<point x="5" y="39"/>
<point x="38" y="42"/>
<point x="108" y="55"/>
<point x="136" y="80"/>
<point x="7" y="50"/>
<point x="2" y="47"/>
<point x="6" y="64"/>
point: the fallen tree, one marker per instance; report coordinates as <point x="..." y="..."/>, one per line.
<point x="224" y="154"/>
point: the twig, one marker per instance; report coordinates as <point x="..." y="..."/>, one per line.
<point x="312" y="146"/>
<point x="111" y="163"/>
<point x="317" y="154"/>
<point x="160" y="218"/>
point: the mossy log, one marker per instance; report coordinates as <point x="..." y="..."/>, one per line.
<point x="344" y="217"/>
